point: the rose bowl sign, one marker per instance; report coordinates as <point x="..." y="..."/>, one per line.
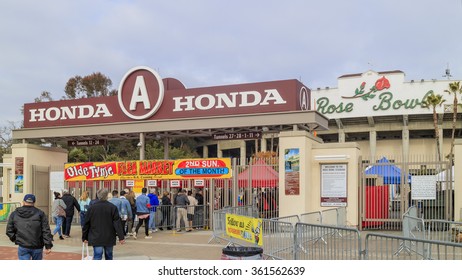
<point x="143" y="95"/>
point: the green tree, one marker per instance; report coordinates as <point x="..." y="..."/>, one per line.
<point x="94" y="85"/>
<point x="454" y="88"/>
<point x="77" y="155"/>
<point x="432" y="101"/>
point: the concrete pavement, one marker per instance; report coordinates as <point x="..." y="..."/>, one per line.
<point x="165" y="245"/>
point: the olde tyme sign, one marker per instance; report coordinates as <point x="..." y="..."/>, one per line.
<point x="143" y="95"/>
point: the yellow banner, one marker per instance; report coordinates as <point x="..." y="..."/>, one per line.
<point x="245" y="228"/>
<point x="149" y="169"/>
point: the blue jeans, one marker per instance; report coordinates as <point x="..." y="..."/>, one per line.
<point x="98" y="252"/>
<point x="27" y="254"/>
<point x="152" y="220"/>
<point x="82" y="218"/>
<point x="59" y="223"/>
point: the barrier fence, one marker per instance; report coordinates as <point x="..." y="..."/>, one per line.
<point x="291" y="238"/>
<point x="6" y="209"/>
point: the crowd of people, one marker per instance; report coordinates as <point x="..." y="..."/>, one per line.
<point x="104" y="220"/>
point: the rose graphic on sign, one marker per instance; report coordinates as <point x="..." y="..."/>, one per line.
<point x="380" y="84"/>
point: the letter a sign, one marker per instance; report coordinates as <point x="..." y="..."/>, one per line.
<point x="141" y="93"/>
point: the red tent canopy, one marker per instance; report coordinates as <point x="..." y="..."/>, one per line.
<point x="259" y="175"/>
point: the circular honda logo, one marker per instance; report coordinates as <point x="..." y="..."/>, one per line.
<point x="304" y="99"/>
<point x="141" y="93"/>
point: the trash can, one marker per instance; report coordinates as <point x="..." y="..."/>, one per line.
<point x="242" y="253"/>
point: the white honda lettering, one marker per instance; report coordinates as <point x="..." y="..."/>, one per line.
<point x="227" y="100"/>
<point x="209" y="100"/>
<point x="245" y="98"/>
<point x="224" y="98"/>
<point x="86" y="111"/>
<point x="37" y="115"/>
<point x="188" y="103"/>
<point x="53" y="114"/>
<point x="272" y="95"/>
<point x="102" y="110"/>
<point x="140" y="94"/>
<point x="72" y="112"/>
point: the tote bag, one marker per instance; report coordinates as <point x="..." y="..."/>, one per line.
<point x="85" y="252"/>
<point x="61" y="211"/>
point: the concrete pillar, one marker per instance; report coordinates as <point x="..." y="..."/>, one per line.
<point x="440" y="130"/>
<point x="457" y="180"/>
<point x="243" y="152"/>
<point x="263" y="144"/>
<point x="405" y="141"/>
<point x="341" y="135"/>
<point x="205" y="151"/>
<point x="373" y="143"/>
<point x="219" y="151"/>
<point x="142" y="146"/>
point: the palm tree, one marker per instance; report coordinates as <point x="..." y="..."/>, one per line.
<point x="454" y="88"/>
<point x="431" y="101"/>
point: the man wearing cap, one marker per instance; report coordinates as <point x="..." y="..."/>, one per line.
<point x="28" y="228"/>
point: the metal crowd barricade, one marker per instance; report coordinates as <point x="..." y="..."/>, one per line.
<point x="346" y="245"/>
<point x="311" y="217"/>
<point x="293" y="219"/>
<point x="413" y="227"/>
<point x="442" y="230"/>
<point x="165" y="217"/>
<point x="278" y="239"/>
<point x="6" y="209"/>
<point x="383" y="247"/>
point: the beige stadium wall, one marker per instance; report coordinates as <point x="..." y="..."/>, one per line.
<point x="309" y="199"/>
<point x="351" y="151"/>
<point x="421" y="147"/>
<point x="33" y="155"/>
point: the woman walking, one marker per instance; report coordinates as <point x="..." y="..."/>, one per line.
<point x="57" y="218"/>
<point x="84" y="203"/>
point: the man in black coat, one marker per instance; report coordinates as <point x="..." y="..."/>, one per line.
<point x="102" y="224"/>
<point x="28" y="227"/>
<point x="70" y="202"/>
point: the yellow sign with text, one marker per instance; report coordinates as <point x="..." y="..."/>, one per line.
<point x="149" y="169"/>
<point x="245" y="228"/>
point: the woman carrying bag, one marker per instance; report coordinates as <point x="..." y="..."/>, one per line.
<point x="58" y="214"/>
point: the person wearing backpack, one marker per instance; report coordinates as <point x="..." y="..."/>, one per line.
<point x="125" y="211"/>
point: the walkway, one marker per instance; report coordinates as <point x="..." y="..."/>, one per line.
<point x="165" y="245"/>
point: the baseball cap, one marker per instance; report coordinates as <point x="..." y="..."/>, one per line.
<point x="29" y="198"/>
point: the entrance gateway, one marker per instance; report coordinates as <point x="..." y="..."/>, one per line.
<point x="149" y="107"/>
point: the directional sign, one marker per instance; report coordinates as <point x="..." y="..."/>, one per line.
<point x="86" y="143"/>
<point x="238" y="136"/>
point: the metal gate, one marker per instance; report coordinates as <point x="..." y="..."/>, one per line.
<point x="389" y="185"/>
<point x="41" y="187"/>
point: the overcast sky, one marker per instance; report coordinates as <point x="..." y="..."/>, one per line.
<point x="210" y="42"/>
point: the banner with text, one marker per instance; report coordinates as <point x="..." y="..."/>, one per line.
<point x="149" y="169"/>
<point x="245" y="228"/>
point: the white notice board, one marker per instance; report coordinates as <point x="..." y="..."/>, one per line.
<point x="423" y="187"/>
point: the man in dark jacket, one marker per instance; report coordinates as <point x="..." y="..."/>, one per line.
<point x="102" y="224"/>
<point x="71" y="202"/>
<point x="28" y="227"/>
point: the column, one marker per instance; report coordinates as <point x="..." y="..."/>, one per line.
<point x="373" y="143"/>
<point x="205" y="151"/>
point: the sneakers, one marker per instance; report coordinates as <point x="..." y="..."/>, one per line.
<point x="154" y="230"/>
<point x="61" y="237"/>
<point x="134" y="235"/>
<point x="161" y="229"/>
<point x="178" y="230"/>
<point x="148" y="237"/>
